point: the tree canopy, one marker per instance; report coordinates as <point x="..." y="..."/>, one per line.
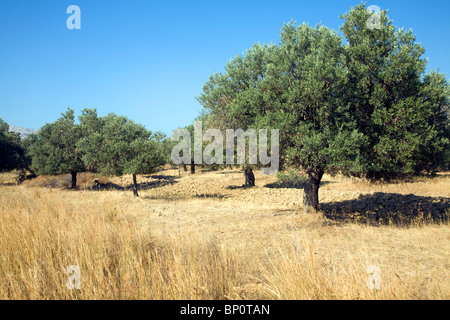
<point x="363" y="106"/>
<point x="397" y="106"/>
<point x="120" y="146"/>
<point x="53" y="149"/>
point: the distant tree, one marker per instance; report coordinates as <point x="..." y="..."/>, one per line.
<point x="53" y="149"/>
<point x="121" y="146"/>
<point x="191" y="163"/>
<point x="12" y="154"/>
<point x="165" y="144"/>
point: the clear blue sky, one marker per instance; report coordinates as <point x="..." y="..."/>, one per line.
<point x="148" y="60"/>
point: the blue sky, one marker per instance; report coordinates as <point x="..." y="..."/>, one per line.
<point x="148" y="60"/>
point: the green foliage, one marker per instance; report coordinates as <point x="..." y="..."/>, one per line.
<point x="111" y="145"/>
<point x="90" y="122"/>
<point x="165" y="144"/>
<point x="397" y="106"/>
<point x="290" y="179"/>
<point x="53" y="149"/>
<point x="12" y="155"/>
<point x="120" y="146"/>
<point x="365" y="107"/>
<point x="206" y="121"/>
<point x="295" y="87"/>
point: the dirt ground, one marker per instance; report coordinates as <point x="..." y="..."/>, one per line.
<point x="215" y="204"/>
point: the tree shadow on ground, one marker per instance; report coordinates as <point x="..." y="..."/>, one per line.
<point x="9" y="184"/>
<point x="291" y="185"/>
<point x="389" y="209"/>
<point x="162" y="177"/>
<point x="109" y="186"/>
<point x="230" y="172"/>
<point x="212" y="196"/>
<point x="244" y="186"/>
<point x="159" y="181"/>
<point x="165" y="197"/>
<point x="443" y="175"/>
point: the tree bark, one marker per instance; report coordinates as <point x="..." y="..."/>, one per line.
<point x="74" y="180"/>
<point x="249" y="177"/>
<point x="311" y="190"/>
<point x="192" y="167"/>
<point x="135" y="187"/>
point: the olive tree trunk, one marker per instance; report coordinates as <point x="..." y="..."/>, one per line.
<point x="311" y="190"/>
<point x="249" y="177"/>
<point x="135" y="187"/>
<point x="74" y="180"/>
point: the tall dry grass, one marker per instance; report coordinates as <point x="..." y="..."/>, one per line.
<point x="41" y="235"/>
<point x="42" y="232"/>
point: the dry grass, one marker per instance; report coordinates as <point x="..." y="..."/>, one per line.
<point x="190" y="237"/>
<point x="42" y="233"/>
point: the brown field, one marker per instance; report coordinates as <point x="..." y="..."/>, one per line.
<point x="202" y="236"/>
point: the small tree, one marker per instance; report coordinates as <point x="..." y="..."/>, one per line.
<point x="53" y="149"/>
<point x="121" y="146"/>
<point x="12" y="154"/>
<point x="165" y="144"/>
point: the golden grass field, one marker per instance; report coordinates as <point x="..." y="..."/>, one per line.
<point x="203" y="237"/>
